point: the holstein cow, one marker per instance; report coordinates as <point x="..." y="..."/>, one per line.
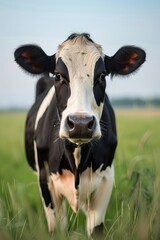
<point x="70" y="135"/>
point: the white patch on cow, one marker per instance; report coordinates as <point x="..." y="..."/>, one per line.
<point x="80" y="57"/>
<point x="62" y="185"/>
<point x="77" y="155"/>
<point x="36" y="156"/>
<point x="45" y="103"/>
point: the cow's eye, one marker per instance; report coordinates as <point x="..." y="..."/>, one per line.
<point x="57" y="77"/>
<point x="102" y="77"/>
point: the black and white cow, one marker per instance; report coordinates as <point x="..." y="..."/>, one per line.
<point x="70" y="135"/>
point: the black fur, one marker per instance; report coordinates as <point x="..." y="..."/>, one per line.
<point x="34" y="60"/>
<point x="99" y="81"/>
<point x="123" y="62"/>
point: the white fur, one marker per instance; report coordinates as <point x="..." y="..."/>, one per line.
<point x="50" y="216"/>
<point x="45" y="103"/>
<point x="63" y="186"/>
<point x="77" y="155"/>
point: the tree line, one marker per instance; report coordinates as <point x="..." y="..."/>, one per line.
<point x="136" y="102"/>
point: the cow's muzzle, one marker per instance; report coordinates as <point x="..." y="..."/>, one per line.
<point x="80" y="126"/>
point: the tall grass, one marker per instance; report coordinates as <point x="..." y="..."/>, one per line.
<point x="134" y="209"/>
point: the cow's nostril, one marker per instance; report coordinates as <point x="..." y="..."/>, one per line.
<point x="70" y="123"/>
<point x="91" y="124"/>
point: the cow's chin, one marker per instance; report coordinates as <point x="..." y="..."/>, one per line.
<point x="80" y="141"/>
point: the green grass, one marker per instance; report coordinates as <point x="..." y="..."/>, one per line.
<point x="134" y="209"/>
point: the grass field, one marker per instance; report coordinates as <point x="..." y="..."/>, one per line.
<point x="134" y="209"/>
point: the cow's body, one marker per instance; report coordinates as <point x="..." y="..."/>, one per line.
<point x="70" y="130"/>
<point x="94" y="159"/>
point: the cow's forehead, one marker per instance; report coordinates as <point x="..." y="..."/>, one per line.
<point x="79" y="54"/>
<point x="79" y="44"/>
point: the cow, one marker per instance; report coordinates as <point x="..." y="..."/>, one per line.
<point x="70" y="133"/>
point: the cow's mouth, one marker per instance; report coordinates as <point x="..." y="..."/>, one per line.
<point x="80" y="141"/>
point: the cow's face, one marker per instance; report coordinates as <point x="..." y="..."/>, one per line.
<point x="79" y="69"/>
<point x="80" y="88"/>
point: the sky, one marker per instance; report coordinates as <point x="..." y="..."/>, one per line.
<point x="111" y="23"/>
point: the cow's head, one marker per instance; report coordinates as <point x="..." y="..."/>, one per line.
<point x="79" y="68"/>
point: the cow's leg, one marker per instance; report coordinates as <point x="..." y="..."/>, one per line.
<point x="60" y="208"/>
<point x="98" y="203"/>
<point x="42" y="173"/>
<point x="54" y="205"/>
<point x="47" y="200"/>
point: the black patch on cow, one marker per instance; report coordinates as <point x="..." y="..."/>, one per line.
<point x="104" y="149"/>
<point x="43" y="175"/>
<point x="62" y="88"/>
<point x="62" y="91"/>
<point x="56" y="156"/>
<point x="99" y="81"/>
<point x="86" y="158"/>
<point x="61" y="68"/>
<point x="44" y="188"/>
<point x="43" y="84"/>
<point x="70" y="163"/>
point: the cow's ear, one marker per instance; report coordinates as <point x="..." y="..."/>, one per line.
<point x="126" y="60"/>
<point x="34" y="60"/>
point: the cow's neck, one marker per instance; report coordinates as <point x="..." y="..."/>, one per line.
<point x="79" y="158"/>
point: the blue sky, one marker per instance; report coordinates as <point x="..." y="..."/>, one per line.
<point x="47" y="23"/>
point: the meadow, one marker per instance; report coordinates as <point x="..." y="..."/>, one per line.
<point x="134" y="209"/>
